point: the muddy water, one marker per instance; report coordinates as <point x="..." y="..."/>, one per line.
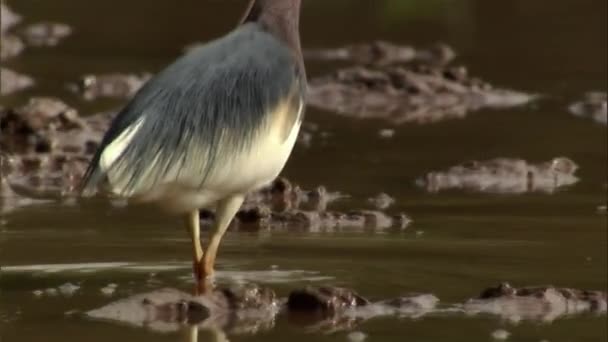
<point x="459" y="242"/>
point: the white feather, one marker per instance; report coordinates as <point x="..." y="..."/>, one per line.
<point x="239" y="173"/>
<point x="118" y="145"/>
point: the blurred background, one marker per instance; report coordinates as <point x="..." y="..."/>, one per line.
<point x="461" y="239"/>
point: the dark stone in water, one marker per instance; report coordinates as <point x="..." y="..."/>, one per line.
<point x="403" y="94"/>
<point x="11" y="82"/>
<point x="113" y="85"/>
<point x="323" y="300"/>
<point x="592" y="106"/>
<point x="383" y="53"/>
<point x="503" y="175"/>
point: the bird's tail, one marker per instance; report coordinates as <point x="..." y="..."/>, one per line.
<point x="92" y="178"/>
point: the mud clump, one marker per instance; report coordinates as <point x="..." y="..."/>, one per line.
<point x="329" y="221"/>
<point x="503" y="175"/>
<point x="8" y="18"/>
<point x="401" y="94"/>
<point x="382" y="201"/>
<point x="240" y="309"/>
<point x="592" y="106"/>
<point x="544" y="303"/>
<point x="40" y="34"/>
<point x="45" y="125"/>
<point x="284" y="205"/>
<point x="113" y="85"/>
<point x="10" y="45"/>
<point x="383" y="53"/>
<point x="12" y="82"/>
<point x="45" y="33"/>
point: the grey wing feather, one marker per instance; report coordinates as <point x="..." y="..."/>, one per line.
<point x="227" y="85"/>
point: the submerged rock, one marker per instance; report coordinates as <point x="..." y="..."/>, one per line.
<point x="400" y="94"/>
<point x="383" y="53"/>
<point x="545" y="303"/>
<point x="593" y="106"/>
<point x="11" y="82"/>
<point x="238" y="310"/>
<point x="113" y="85"/>
<point x="503" y="175"/>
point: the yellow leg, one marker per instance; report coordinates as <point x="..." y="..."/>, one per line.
<point x="193" y="224"/>
<point x="226" y="209"/>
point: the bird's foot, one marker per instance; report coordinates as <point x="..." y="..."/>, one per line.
<point x="203" y="278"/>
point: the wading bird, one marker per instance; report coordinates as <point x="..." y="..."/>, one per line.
<point x="214" y="125"/>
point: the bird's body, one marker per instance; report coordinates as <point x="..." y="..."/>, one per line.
<point x="216" y="124"/>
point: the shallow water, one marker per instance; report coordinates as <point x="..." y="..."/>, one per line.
<point x="458" y="244"/>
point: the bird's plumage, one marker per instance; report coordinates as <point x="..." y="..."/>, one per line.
<point x="204" y="114"/>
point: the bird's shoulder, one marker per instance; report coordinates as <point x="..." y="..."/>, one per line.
<point x="249" y="49"/>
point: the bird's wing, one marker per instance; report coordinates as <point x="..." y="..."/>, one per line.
<point x="217" y="94"/>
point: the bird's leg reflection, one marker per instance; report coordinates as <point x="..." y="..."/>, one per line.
<point x="191" y="334"/>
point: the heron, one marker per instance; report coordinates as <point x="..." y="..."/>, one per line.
<point x="217" y="123"/>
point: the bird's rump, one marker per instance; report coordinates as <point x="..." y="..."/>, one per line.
<point x="209" y="112"/>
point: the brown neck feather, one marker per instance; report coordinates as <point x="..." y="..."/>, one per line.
<point x="279" y="17"/>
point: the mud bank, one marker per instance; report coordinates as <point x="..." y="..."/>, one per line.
<point x="326" y="308"/>
<point x="402" y="84"/>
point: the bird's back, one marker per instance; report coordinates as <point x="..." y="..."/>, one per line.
<point x="209" y="106"/>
